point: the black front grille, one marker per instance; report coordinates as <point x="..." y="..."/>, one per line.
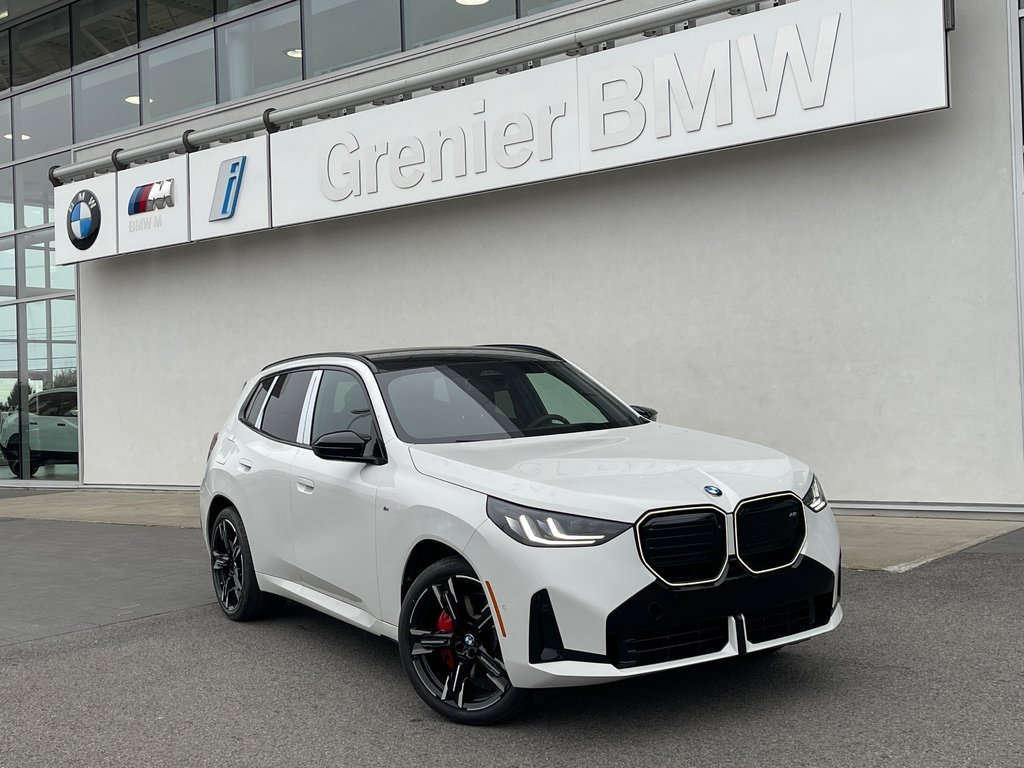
<point x="682" y="641"/>
<point x="788" y="619"/>
<point x="686" y="546"/>
<point x="770" y="531"/>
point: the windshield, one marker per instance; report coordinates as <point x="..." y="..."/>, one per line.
<point x="493" y="400"/>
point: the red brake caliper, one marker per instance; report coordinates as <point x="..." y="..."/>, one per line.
<point x="445" y="624"/>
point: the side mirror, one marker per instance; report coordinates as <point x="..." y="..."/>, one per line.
<point x="648" y="413"/>
<point x="343" y="446"/>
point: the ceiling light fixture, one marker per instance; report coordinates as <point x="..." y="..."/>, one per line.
<point x="470" y="2"/>
<point x="10" y="137"/>
<point x="295" y="53"/>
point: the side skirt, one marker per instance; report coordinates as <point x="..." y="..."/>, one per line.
<point x="327" y="604"/>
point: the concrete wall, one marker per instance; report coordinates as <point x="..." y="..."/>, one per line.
<point x="849" y="298"/>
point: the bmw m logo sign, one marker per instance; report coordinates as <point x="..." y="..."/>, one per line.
<point x="83" y="220"/>
<point x="713" y="490"/>
<point x="151" y="197"/>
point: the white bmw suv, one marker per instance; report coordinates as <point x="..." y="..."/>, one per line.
<point x="510" y="523"/>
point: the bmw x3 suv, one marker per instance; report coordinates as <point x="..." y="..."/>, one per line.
<point x="511" y="523"/>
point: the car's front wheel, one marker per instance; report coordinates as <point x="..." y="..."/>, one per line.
<point x="234" y="578"/>
<point x="448" y="638"/>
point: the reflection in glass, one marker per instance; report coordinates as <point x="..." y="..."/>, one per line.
<point x="8" y="389"/>
<point x="343" y="32"/>
<point x="41" y="47"/>
<point x="5" y="60"/>
<point x="256" y="54"/>
<point x="526" y="7"/>
<point x="8" y="282"/>
<point x="427" y="21"/>
<point x="42" y="119"/>
<point x="176" y="78"/>
<point x="224" y="6"/>
<point x="33" y="192"/>
<point x="6" y="200"/>
<point x="6" y="136"/>
<point x="107" y="99"/>
<point x="42" y="274"/>
<point x="51" y="430"/>
<point x="102" y="27"/>
<point x="160" y="16"/>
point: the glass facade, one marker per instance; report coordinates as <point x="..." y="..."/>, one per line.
<point x="96" y="68"/>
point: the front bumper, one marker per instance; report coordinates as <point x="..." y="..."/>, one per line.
<point x="578" y="616"/>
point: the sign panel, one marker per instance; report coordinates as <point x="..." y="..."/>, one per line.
<point x="500" y="133"/>
<point x="85" y="214"/>
<point x="152" y="205"/>
<point x="788" y="70"/>
<point x="229" y="188"/>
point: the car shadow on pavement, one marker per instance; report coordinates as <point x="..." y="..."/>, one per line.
<point x="791" y="676"/>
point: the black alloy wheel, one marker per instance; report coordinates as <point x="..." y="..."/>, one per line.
<point x="234" y="579"/>
<point x="13" y="456"/>
<point x="449" y="645"/>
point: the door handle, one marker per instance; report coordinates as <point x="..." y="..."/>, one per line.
<point x="305" y="485"/>
<point x="245" y="465"/>
<point x="61" y="424"/>
<point x="33" y="423"/>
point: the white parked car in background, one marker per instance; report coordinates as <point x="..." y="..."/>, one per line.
<point x="510" y="522"/>
<point x="51" y="431"/>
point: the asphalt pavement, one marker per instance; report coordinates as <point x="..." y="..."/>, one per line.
<point x="926" y="670"/>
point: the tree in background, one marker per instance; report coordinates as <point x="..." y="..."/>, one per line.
<point x="14" y="398"/>
<point x="65" y="378"/>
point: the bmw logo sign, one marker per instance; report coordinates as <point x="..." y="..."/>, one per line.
<point x="83" y="220"/>
<point x="714" y="491"/>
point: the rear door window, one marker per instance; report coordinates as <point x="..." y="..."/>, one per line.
<point x="284" y="405"/>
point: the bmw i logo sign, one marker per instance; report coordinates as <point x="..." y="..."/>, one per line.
<point x="713" y="490"/>
<point x="83" y="220"/>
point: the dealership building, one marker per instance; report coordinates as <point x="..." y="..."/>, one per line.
<point x="797" y="222"/>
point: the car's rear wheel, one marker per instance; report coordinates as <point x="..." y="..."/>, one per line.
<point x="448" y="638"/>
<point x="13" y="455"/>
<point x="234" y="578"/>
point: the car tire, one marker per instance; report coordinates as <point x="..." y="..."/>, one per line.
<point x="234" y="578"/>
<point x="454" y="662"/>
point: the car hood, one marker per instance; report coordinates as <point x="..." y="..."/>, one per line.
<point x="616" y="474"/>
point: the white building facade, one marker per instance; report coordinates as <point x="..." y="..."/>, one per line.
<point x="834" y="282"/>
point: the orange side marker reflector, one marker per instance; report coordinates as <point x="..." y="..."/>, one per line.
<point x="497" y="611"/>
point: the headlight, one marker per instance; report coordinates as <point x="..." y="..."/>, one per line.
<point x="815" y="497"/>
<point x="538" y="528"/>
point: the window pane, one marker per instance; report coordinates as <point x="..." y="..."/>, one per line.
<point x="224" y="6"/>
<point x="427" y="21"/>
<point x="176" y="79"/>
<point x="341" y="404"/>
<point x="253" y="54"/>
<point x="42" y="119"/>
<point x="9" y="391"/>
<point x="281" y="415"/>
<point x="160" y="16"/>
<point x="33" y="192"/>
<point x="5" y="70"/>
<point x="102" y="27"/>
<point x="42" y="275"/>
<point x="6" y="200"/>
<point x="343" y="32"/>
<point x="4" y="67"/>
<point x="8" y="285"/>
<point x="6" y="136"/>
<point x="41" y="47"/>
<point x="526" y="7"/>
<point x="106" y="100"/>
